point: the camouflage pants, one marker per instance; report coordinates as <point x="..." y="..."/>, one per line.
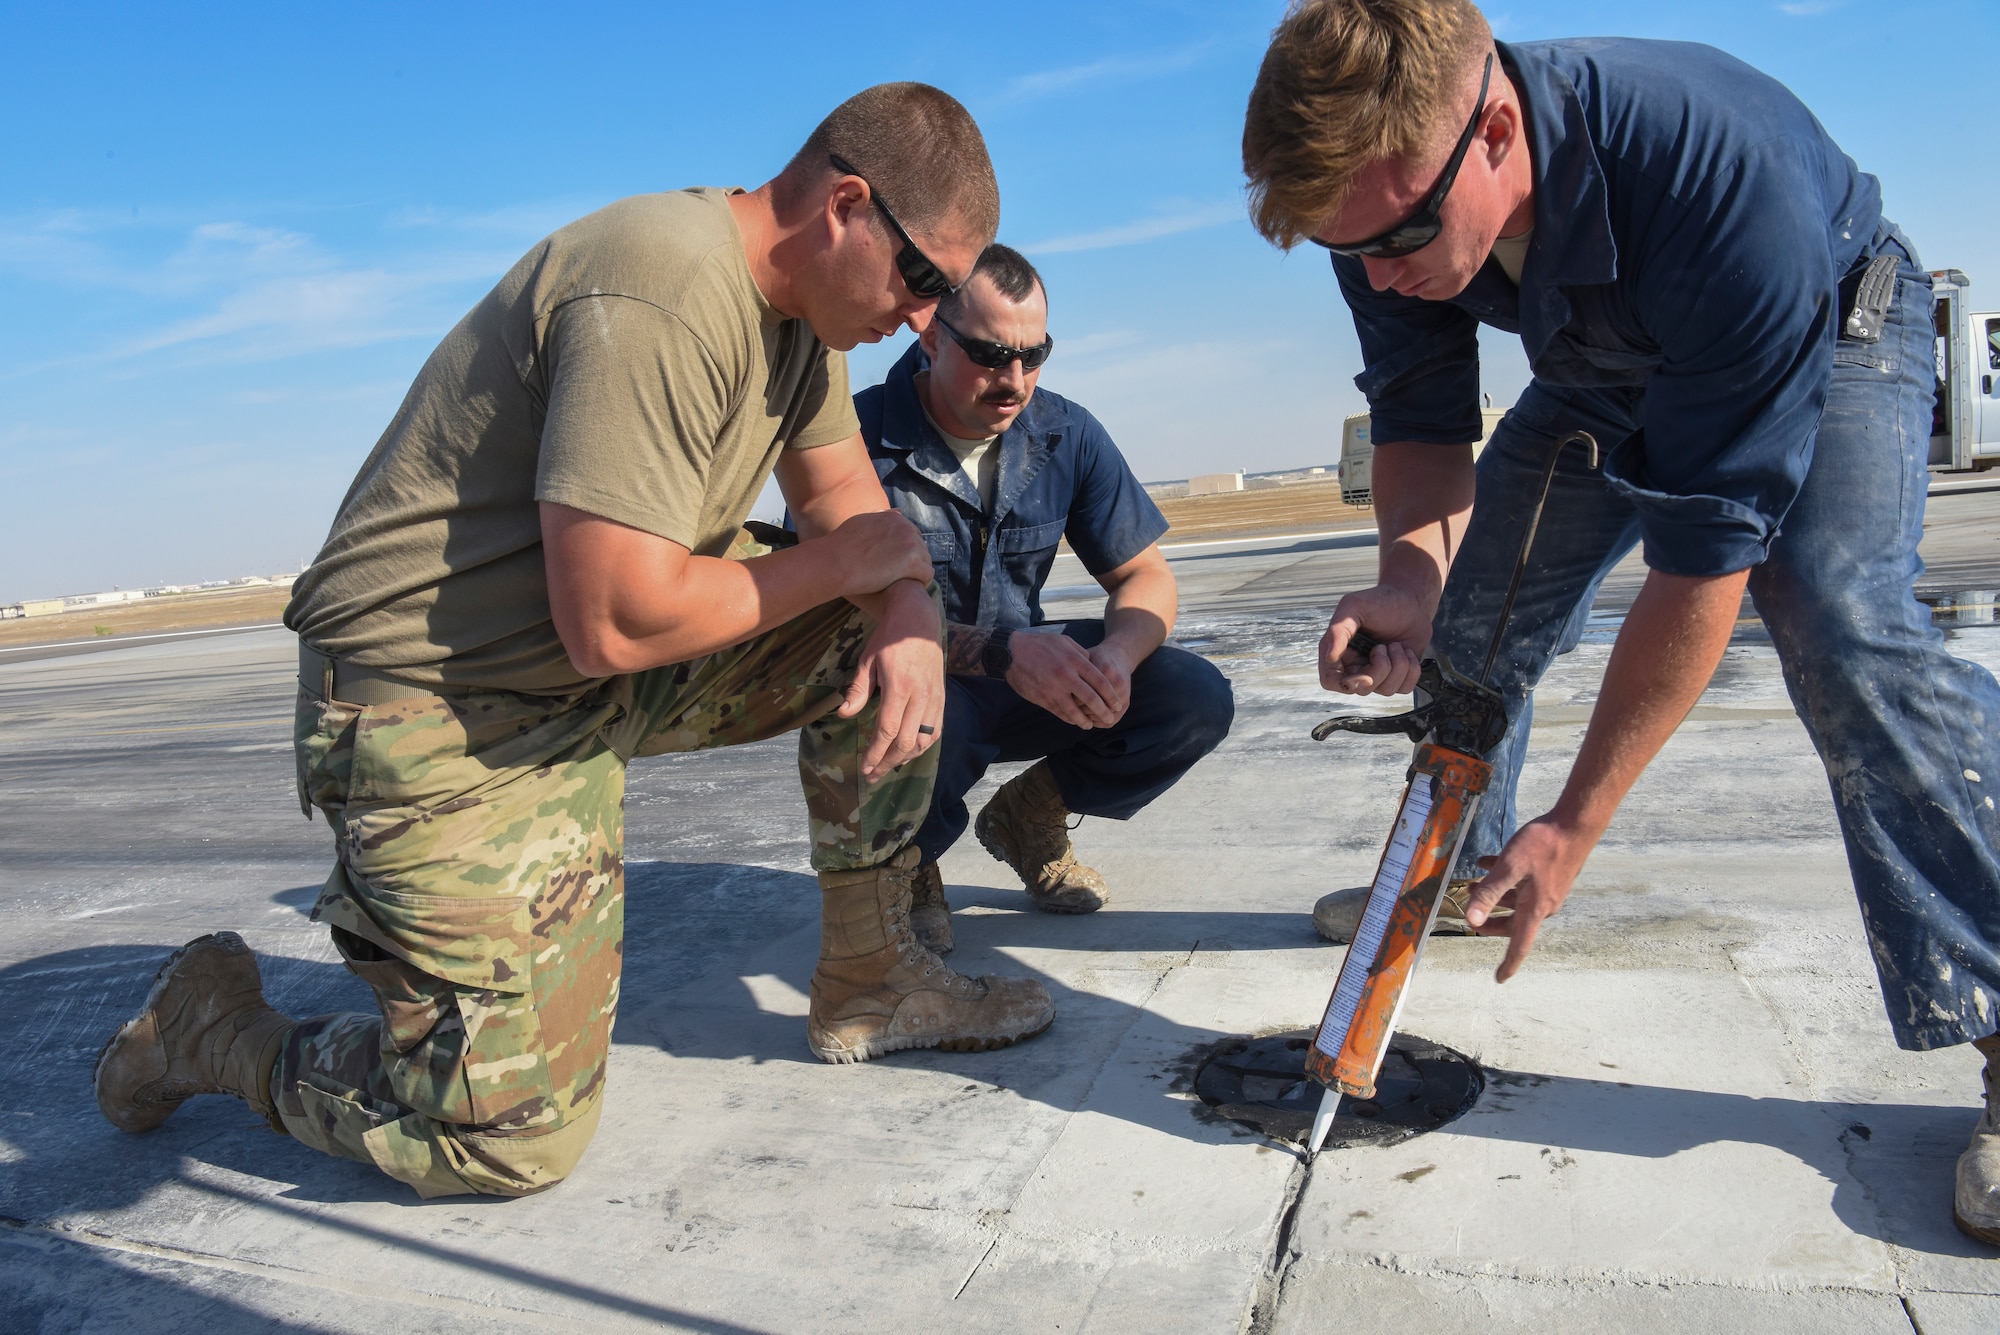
<point x="479" y="891"/>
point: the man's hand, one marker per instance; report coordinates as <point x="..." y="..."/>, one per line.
<point x="1532" y="875"/>
<point x="903" y="661"/>
<point x="1423" y="501"/>
<point x="874" y="549"/>
<point x="1666" y="652"/>
<point x="1116" y="666"/>
<point x="1054" y="671"/>
<point x="1393" y="615"/>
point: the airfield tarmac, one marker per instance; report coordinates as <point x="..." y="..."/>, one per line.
<point x="1695" y="1118"/>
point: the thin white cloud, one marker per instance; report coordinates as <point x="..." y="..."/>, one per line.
<point x="1145" y="229"/>
<point x="514" y="221"/>
<point x="232" y="291"/>
<point x="1110" y="71"/>
<point x="1106" y="340"/>
<point x="1805" y="9"/>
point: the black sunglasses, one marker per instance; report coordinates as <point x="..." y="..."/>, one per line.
<point x="923" y="278"/>
<point x="1422" y="227"/>
<point x="996" y="356"/>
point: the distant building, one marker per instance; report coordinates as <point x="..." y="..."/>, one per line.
<point x="1212" y="484"/>
<point x="40" y="607"/>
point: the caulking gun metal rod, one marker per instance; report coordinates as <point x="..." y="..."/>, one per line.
<point x="1585" y="439"/>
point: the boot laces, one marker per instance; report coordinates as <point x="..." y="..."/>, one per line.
<point x="909" y="948"/>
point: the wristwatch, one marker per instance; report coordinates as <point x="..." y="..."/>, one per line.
<point x="998" y="655"/>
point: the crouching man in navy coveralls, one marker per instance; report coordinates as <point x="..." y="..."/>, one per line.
<point x="996" y="473"/>
<point x="1705" y="283"/>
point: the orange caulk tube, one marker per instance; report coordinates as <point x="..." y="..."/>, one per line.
<point x="1443" y="793"/>
<point x="1461" y="719"/>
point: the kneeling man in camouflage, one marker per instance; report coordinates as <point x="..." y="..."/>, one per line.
<point x="996" y="472"/>
<point x="525" y="588"/>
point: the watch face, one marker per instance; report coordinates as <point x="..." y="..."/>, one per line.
<point x="999" y="655"/>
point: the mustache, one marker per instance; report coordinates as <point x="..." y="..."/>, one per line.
<point x="1005" y="399"/>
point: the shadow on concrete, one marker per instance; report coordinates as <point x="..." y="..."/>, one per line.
<point x="1891" y="1164"/>
<point x="65" y="1167"/>
<point x="301" y="897"/>
<point x="696" y="933"/>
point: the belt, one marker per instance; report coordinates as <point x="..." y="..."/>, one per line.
<point x="331" y="679"/>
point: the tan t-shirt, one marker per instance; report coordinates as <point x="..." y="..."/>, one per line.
<point x="628" y="367"/>
<point x="977" y="457"/>
<point x="1512" y="252"/>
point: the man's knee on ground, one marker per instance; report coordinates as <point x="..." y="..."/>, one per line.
<point x="441" y="1159"/>
<point x="520" y="1165"/>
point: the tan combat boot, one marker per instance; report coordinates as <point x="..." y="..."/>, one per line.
<point x="878" y="990"/>
<point x="1976" y="1202"/>
<point x="930" y="916"/>
<point x="1026" y="826"/>
<point x="205" y="1029"/>
<point x="1337" y="914"/>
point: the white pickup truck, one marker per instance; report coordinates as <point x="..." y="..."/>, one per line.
<point x="1965" y="424"/>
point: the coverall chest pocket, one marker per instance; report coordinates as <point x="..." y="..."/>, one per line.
<point x="1029" y="546"/>
<point x="1027" y="552"/>
<point x="943" y="548"/>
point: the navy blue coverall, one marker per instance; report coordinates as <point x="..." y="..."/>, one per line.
<point x="1059" y="476"/>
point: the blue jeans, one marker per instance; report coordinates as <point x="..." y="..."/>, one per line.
<point x="1909" y="735"/>
<point x="1181" y="710"/>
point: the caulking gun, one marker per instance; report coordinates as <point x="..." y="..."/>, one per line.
<point x="1456" y="721"/>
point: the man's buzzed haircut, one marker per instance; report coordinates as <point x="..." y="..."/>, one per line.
<point x="1347" y="83"/>
<point x="1004" y="267"/>
<point x="917" y="148"/>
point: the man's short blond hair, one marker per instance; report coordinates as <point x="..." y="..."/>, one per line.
<point x="1347" y="83"/>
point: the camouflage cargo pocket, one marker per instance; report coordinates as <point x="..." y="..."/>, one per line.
<point x="322" y="750"/>
<point x="471" y="1056"/>
<point x="464" y="886"/>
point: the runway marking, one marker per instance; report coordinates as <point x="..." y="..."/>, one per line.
<point x="134" y="639"/>
<point x="189" y="727"/>
<point x="1267" y="538"/>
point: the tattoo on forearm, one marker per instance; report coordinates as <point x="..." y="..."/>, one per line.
<point x="965" y="649"/>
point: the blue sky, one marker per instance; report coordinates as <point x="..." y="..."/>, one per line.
<point x="230" y="235"/>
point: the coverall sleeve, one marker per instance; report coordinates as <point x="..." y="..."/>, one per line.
<point x="1111" y="518"/>
<point x="1421" y="358"/>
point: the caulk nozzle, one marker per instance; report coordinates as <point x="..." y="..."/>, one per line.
<point x="1322" y="1121"/>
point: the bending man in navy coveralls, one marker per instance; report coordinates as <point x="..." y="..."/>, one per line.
<point x="1682" y="250"/>
<point x="996" y="473"/>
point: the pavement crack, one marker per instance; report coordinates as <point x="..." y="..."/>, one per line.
<point x="967" y="1281"/>
<point x="1270" y="1288"/>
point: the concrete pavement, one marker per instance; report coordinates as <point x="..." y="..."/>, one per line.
<point x="1695" y="1118"/>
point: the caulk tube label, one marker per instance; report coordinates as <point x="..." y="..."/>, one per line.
<point x="1437" y="903"/>
<point x="1368" y="997"/>
<point x="1382" y="896"/>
